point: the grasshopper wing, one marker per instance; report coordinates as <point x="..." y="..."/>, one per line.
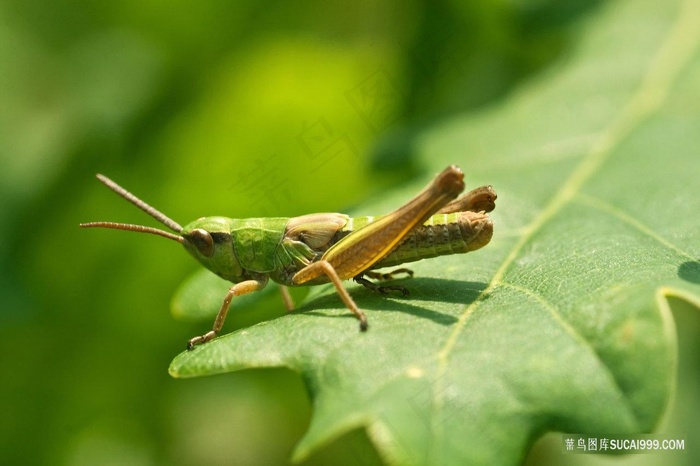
<point x="360" y="250"/>
<point x="315" y="230"/>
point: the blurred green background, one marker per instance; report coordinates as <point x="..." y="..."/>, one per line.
<point x="214" y="107"/>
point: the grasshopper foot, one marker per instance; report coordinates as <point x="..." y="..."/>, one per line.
<point x="401" y="289"/>
<point x="200" y="340"/>
<point x="364" y="325"/>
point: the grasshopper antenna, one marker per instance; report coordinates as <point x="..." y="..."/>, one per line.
<point x="152" y="211"/>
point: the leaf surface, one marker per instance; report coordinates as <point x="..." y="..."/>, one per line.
<point x="561" y="323"/>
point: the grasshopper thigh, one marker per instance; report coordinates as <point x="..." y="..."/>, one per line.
<point x="361" y="249"/>
<point x="481" y="199"/>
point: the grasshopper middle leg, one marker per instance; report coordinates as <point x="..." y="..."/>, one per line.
<point x="287" y="298"/>
<point x="383" y="289"/>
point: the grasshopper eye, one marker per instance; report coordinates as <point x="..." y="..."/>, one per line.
<point x="203" y="241"/>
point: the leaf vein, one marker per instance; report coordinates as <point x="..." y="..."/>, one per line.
<point x="664" y="67"/>
<point x="599" y="204"/>
<point x="575" y="335"/>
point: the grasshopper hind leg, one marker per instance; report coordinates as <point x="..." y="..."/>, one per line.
<point x="383" y="289"/>
<point x="481" y="199"/>
<point x="324" y="267"/>
<point x="389" y="275"/>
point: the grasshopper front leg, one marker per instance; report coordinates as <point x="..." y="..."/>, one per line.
<point x="357" y="252"/>
<point x="239" y="289"/>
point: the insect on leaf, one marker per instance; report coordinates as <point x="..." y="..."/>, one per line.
<point x="561" y="323"/>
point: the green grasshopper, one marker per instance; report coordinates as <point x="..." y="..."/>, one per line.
<point x="328" y="247"/>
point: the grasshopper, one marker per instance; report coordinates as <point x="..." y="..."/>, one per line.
<point x="327" y="247"/>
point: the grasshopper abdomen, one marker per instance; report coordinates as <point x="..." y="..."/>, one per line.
<point x="441" y="234"/>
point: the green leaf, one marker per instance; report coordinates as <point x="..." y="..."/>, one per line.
<point x="561" y="323"/>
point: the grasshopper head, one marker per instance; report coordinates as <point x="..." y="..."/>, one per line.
<point x="207" y="239"/>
